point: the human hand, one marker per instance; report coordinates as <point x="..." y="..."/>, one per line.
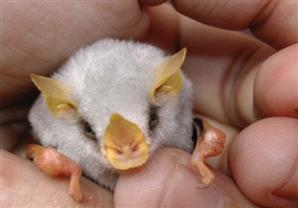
<point x="215" y="60"/>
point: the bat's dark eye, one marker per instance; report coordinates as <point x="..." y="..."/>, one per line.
<point x="88" y="130"/>
<point x="153" y="117"/>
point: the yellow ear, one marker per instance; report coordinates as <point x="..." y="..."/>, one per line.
<point x="169" y="76"/>
<point x="56" y="95"/>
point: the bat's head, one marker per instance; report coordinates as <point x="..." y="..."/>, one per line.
<point x="115" y="101"/>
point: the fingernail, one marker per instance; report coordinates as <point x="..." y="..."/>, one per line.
<point x="183" y="191"/>
<point x="290" y="188"/>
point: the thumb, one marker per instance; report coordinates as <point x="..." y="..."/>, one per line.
<point x="168" y="180"/>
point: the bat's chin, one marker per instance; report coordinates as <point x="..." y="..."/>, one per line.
<point x="127" y="164"/>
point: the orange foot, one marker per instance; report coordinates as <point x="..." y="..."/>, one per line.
<point x="210" y="143"/>
<point x="54" y="163"/>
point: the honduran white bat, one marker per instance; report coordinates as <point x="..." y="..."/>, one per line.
<point x="110" y="106"/>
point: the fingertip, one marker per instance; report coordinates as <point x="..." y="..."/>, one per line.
<point x="165" y="182"/>
<point x="262" y="158"/>
<point x="144" y="184"/>
<point x="169" y="181"/>
<point x="276" y="84"/>
<point x="163" y="34"/>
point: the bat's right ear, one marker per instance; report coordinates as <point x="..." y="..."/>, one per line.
<point x="168" y="76"/>
<point x="56" y="96"/>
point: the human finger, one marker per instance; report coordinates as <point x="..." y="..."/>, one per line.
<point x="263" y="161"/>
<point x="274" y="22"/>
<point x="169" y="181"/>
<point x="226" y="68"/>
<point x="38" y="36"/>
<point x="163" y="28"/>
<point x="276" y="84"/>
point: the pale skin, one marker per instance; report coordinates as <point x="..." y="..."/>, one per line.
<point x="262" y="154"/>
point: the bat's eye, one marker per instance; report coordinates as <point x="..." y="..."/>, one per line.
<point x="88" y="130"/>
<point x="153" y="117"/>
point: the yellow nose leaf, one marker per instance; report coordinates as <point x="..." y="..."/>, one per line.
<point x="125" y="146"/>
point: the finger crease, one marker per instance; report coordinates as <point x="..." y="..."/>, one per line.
<point x="231" y="82"/>
<point x="287" y="178"/>
<point x="166" y="189"/>
<point x="263" y="14"/>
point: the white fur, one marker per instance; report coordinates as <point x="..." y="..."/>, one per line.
<point x="112" y="76"/>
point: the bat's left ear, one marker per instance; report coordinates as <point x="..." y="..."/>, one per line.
<point x="168" y="76"/>
<point x="56" y="96"/>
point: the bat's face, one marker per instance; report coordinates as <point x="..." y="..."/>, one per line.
<point x="117" y="102"/>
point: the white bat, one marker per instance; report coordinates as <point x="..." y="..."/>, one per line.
<point x="112" y="104"/>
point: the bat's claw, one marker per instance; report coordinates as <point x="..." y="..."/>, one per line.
<point x="74" y="185"/>
<point x="210" y="144"/>
<point x="53" y="163"/>
<point x="76" y="194"/>
<point x="207" y="176"/>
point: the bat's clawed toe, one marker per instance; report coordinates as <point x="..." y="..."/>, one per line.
<point x="74" y="185"/>
<point x="76" y="194"/>
<point x="207" y="176"/>
<point x="210" y="144"/>
<point x="53" y="163"/>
